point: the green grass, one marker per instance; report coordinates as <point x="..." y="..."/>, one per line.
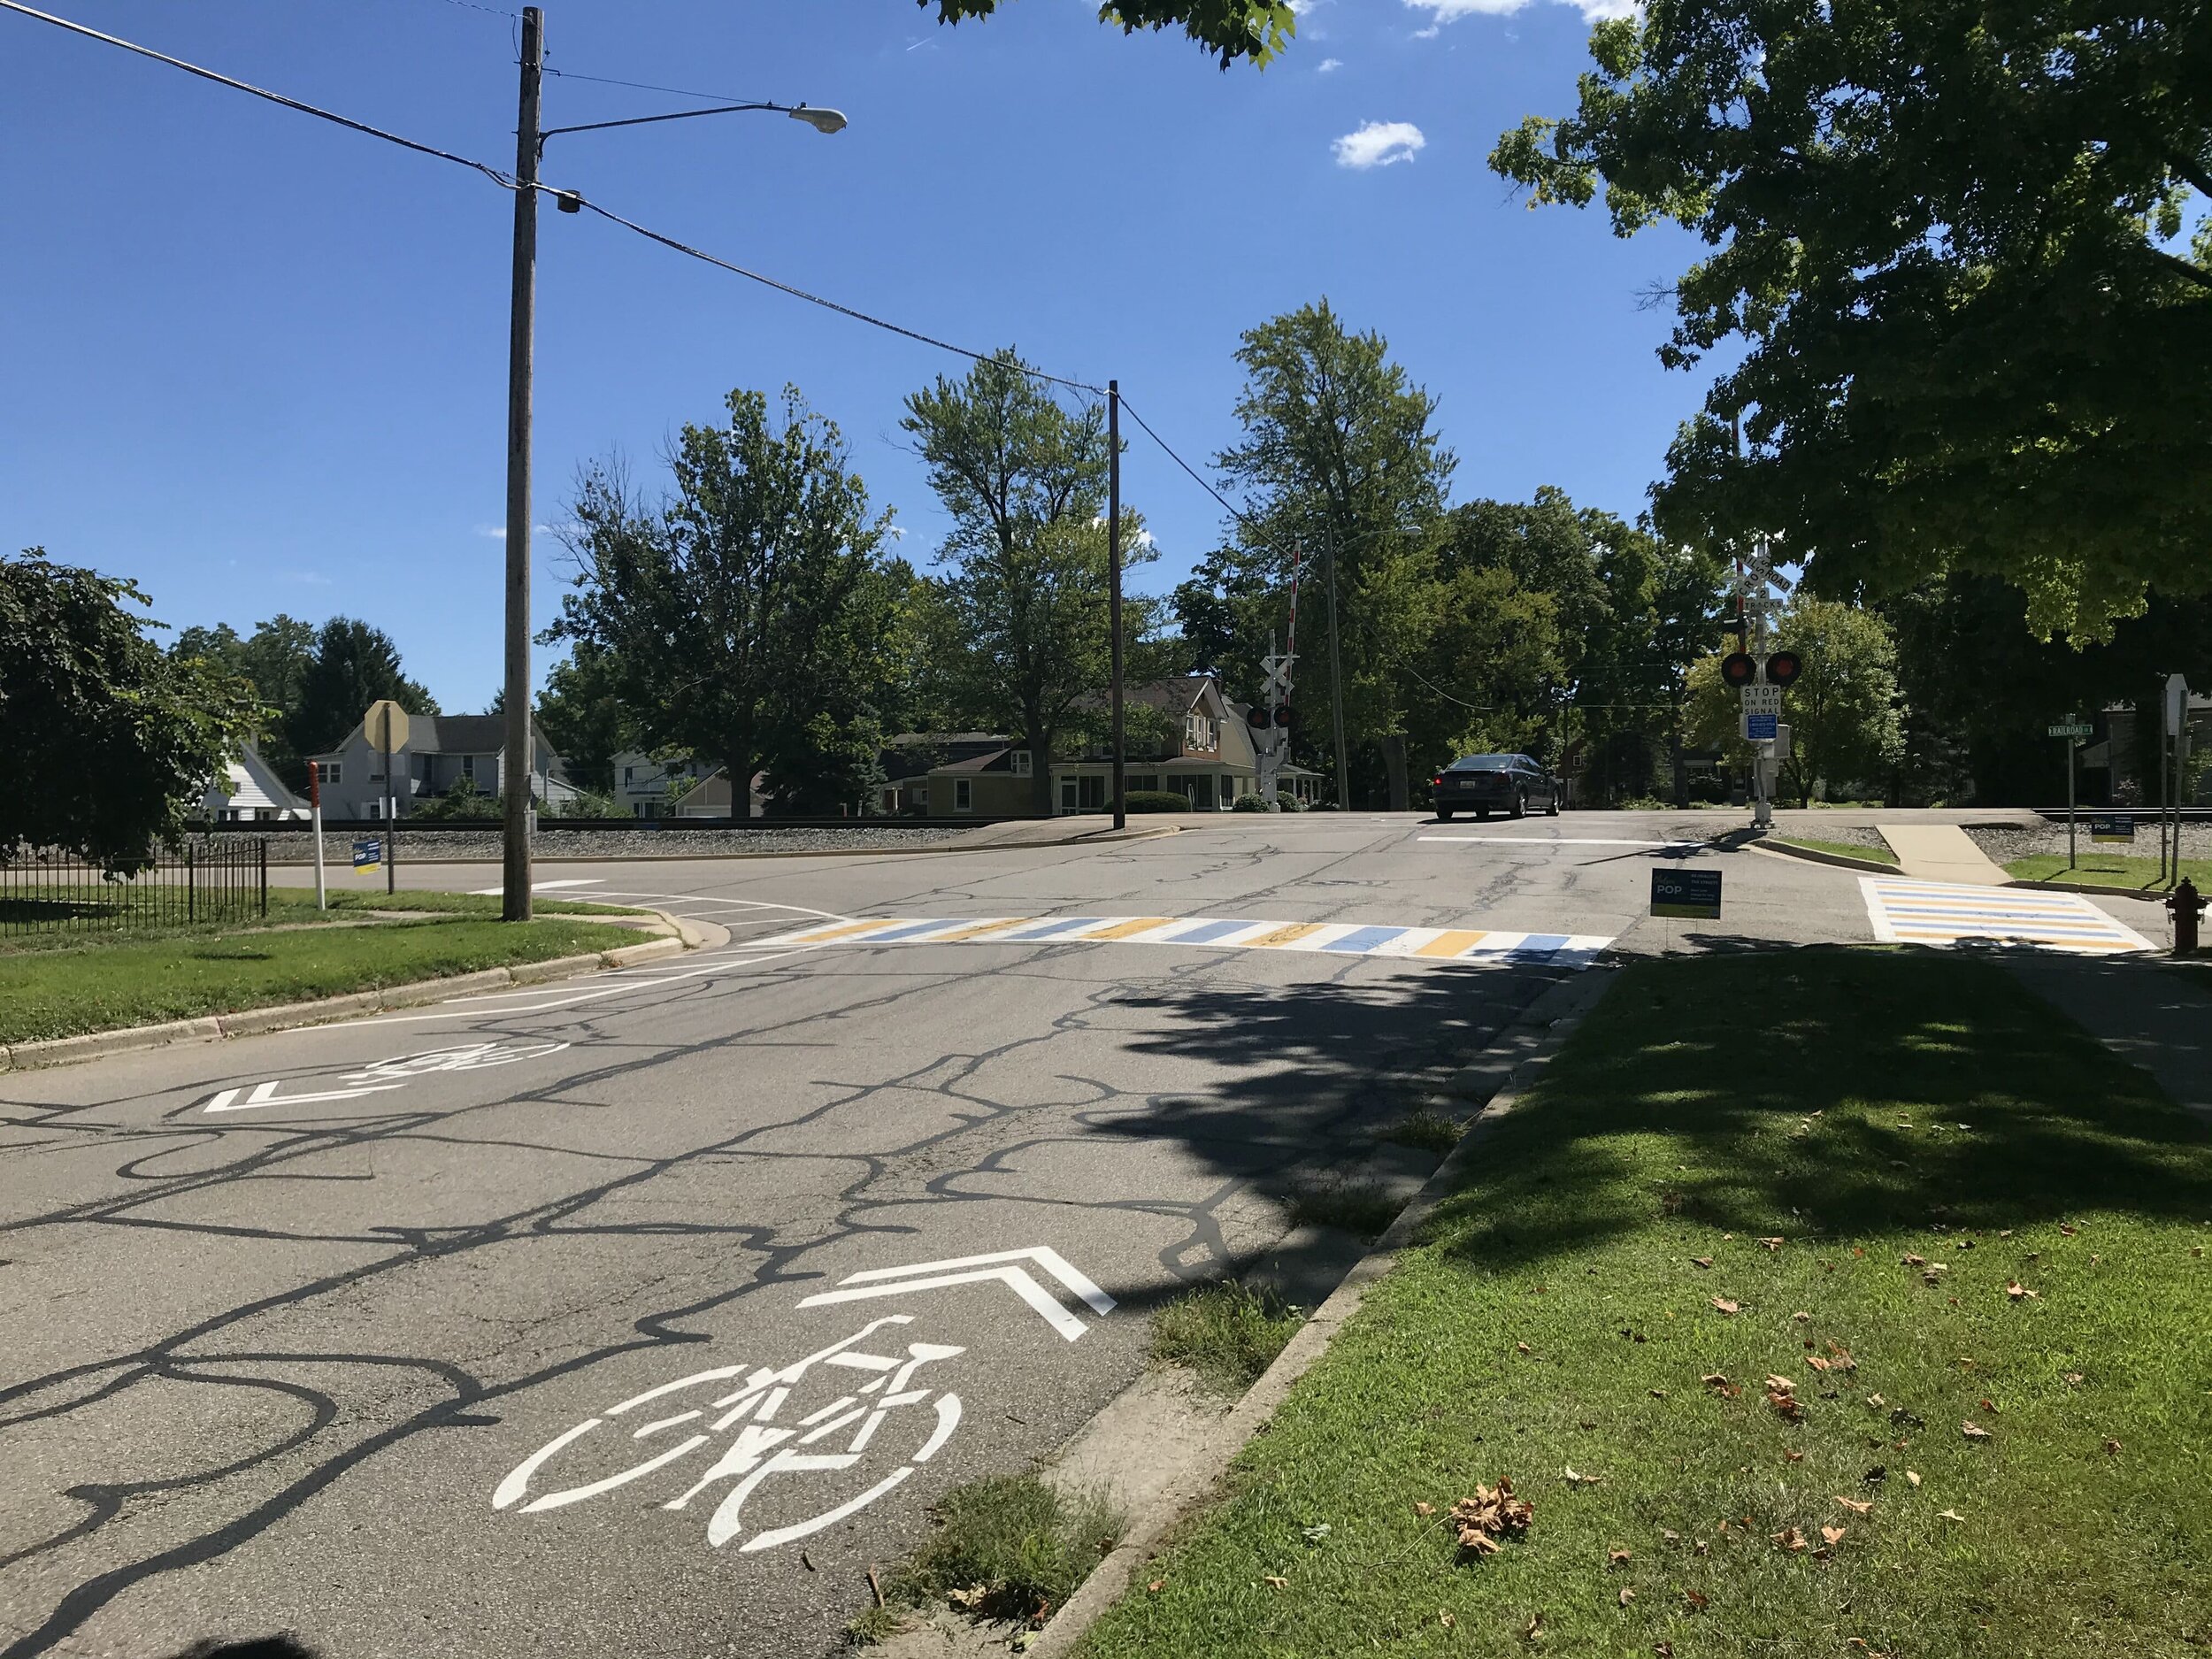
<point x="1862" y="1106"/>
<point x="1845" y="850"/>
<point x="1356" y="1206"/>
<point x="98" y="986"/>
<point x="2106" y="870"/>
<point x="1427" y="1130"/>
<point x="1008" y="1547"/>
<point x="288" y="907"/>
<point x="1226" y="1333"/>
<point x="299" y="902"/>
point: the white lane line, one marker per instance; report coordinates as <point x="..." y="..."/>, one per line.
<point x="1562" y="840"/>
<point x="536" y="886"/>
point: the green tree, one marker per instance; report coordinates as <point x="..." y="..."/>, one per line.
<point x="106" y="741"/>
<point x="275" y="657"/>
<point x="582" y="716"/>
<point x="740" y="618"/>
<point x="1254" y="29"/>
<point x="1947" y="264"/>
<point x="1018" y="623"/>
<point x="354" y="666"/>
<point x="1339" y="460"/>
<point x="1844" y="712"/>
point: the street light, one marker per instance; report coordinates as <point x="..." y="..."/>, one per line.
<point x="529" y="146"/>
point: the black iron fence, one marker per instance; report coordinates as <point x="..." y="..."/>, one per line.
<point x="225" y="881"/>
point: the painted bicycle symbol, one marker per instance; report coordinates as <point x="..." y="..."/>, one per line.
<point x="473" y="1057"/>
<point x="772" y="1443"/>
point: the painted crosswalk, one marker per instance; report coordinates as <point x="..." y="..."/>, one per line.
<point x="1942" y="913"/>
<point x="1414" y="946"/>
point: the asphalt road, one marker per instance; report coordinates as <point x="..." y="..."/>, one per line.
<point x="362" y="1354"/>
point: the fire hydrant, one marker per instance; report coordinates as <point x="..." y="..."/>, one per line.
<point x="2186" y="907"/>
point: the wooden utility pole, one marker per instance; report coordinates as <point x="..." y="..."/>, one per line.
<point x="1113" y="594"/>
<point x="515" y="775"/>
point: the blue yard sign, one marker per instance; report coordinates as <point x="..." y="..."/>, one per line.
<point x="368" y="857"/>
<point x="2119" y="826"/>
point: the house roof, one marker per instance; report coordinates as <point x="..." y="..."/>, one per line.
<point x="1175" y="694"/>
<point x="995" y="760"/>
<point x="459" y="734"/>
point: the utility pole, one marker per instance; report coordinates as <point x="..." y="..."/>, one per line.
<point x="1336" y="685"/>
<point x="1113" y="593"/>
<point x="516" y="774"/>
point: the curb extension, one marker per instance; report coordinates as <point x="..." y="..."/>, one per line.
<point x="94" y="1045"/>
<point x="1557" y="1014"/>
<point x="1871" y="866"/>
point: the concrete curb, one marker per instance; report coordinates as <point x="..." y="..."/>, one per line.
<point x="1871" y="866"/>
<point x="290" y="1016"/>
<point x="1554" y="1015"/>
<point x="2091" y="892"/>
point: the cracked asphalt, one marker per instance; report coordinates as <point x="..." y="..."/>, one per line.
<point x="577" y="1320"/>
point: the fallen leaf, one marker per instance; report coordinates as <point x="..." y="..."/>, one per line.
<point x="1574" y="1480"/>
<point x="2015" y="1289"/>
<point x="1493" y="1511"/>
<point x="969" y="1599"/>
<point x="1876" y="1399"/>
<point x="1913" y="1475"/>
<point x="1658" y="1394"/>
<point x="1276" y="1579"/>
<point x="1703" y="1260"/>
<point x="1698" y="1547"/>
<point x="1773" y="1244"/>
<point x="1949" y="1515"/>
<point x="1857" y="1506"/>
<point x="1627" y="1595"/>
<point x="1726" y="1306"/>
<point x="1521" y="1348"/>
<point x="2068" y="1231"/>
<point x="1833" y="1535"/>
<point x="1780" y="1385"/>
<point x="1713" y="1379"/>
<point x="1964" y="1244"/>
<point x="1672" y="1536"/>
<point x="1445" y="1618"/>
<point x="2112" y="1449"/>
<point x="1535" y="1628"/>
<point x="1479" y="1544"/>
<point x="1698" y="1604"/>
<point x="1156" y="1586"/>
<point x="1790" y="1538"/>
<point x="1816" y="1361"/>
<point x="1424" y="1510"/>
<point x="1973" y="1431"/>
<point x="1617" y="1558"/>
<point x="1915" y="1260"/>
<point x="2074" y="1379"/>
<point x="1792" y="1457"/>
<point x="1663" y="1649"/>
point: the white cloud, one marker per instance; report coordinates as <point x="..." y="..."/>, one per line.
<point x="1442" y="12"/>
<point x="1327" y="64"/>
<point x="1379" y="144"/>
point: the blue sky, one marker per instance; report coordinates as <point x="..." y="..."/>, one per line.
<point x="258" y="363"/>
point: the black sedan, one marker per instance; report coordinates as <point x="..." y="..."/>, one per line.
<point x="1484" y="784"/>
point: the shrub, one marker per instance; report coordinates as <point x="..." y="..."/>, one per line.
<point x="1250" y="804"/>
<point x="1287" y="801"/>
<point x="1157" y="801"/>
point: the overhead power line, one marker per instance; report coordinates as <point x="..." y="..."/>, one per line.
<point x="1240" y="516"/>
<point x="641" y="86"/>
<point x="506" y="180"/>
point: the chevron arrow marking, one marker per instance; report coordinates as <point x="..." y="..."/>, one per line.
<point x="264" y="1094"/>
<point x="1002" y="1266"/>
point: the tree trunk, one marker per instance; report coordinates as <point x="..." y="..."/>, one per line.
<point x="1039" y="744"/>
<point x="1393" y="748"/>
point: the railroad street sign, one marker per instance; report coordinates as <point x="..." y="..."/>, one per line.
<point x="1759" y="728"/>
<point x="2070" y="729"/>
<point x="1692" y="893"/>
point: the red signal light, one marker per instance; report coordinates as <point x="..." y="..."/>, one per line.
<point x="1737" y="671"/>
<point x="1783" y="667"/>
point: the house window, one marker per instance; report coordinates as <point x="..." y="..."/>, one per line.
<point x="963" y="795"/>
<point x="329" y="771"/>
<point x="1020" y="759"/>
<point x="1090" y="792"/>
<point x="626" y="771"/>
<point x="1145" y="780"/>
<point x="1067" y="795"/>
<point x="468" y="767"/>
<point x="1190" y="730"/>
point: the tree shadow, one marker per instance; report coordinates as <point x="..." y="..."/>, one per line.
<point x="1858" y="1091"/>
<point x="283" y="1647"/>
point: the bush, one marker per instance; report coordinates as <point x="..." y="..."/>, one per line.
<point x="1250" y="804"/>
<point x="1287" y="801"/>
<point x="463" y="802"/>
<point x="1157" y="801"/>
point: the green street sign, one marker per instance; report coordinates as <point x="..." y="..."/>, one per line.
<point x="2071" y="731"/>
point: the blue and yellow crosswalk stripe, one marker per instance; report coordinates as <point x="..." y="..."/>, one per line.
<point x="1945" y="913"/>
<point x="1340" y="938"/>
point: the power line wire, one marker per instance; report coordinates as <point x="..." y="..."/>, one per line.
<point x="816" y="299"/>
<point x="1241" y="517"/>
<point x="641" y="85"/>
<point x="506" y="180"/>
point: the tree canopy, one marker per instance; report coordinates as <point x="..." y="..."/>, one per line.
<point x="1257" y="30"/>
<point x="354" y="665"/>
<point x="743" y="617"/>
<point x="106" y="742"/>
<point x="1950" y="238"/>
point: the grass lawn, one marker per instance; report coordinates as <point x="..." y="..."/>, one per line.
<point x="2106" y="870"/>
<point x="131" y="980"/>
<point x="1869" y="1149"/>
<point x="1847" y="849"/>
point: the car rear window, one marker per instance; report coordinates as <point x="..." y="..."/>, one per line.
<point x="1484" y="763"/>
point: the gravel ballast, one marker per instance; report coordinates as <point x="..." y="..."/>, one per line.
<point x="2005" y="845"/>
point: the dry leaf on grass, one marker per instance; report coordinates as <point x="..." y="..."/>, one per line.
<point x="1949" y="1515"/>
<point x="2074" y="1379"/>
<point x="1857" y="1506"/>
<point x="1773" y="1244"/>
<point x="1915" y="1260"/>
<point x="1492" y="1513"/>
<point x="1790" y="1538"/>
<point x="1973" y="1431"/>
<point x="1521" y="1348"/>
<point x="1535" y="1628"/>
<point x="1574" y="1480"/>
<point x="1703" y="1260"/>
<point x="2112" y="1449"/>
<point x="1833" y="1535"/>
<point x="1617" y="1558"/>
<point x="1802" y="1319"/>
<point x="969" y="1599"/>
<point x="1913" y="1475"/>
<point x="1726" y="1306"/>
<point x="1156" y="1586"/>
<point x="1663" y="1649"/>
<point x="1658" y="1394"/>
<point x="1275" y="1579"/>
<point x="1789" y="1457"/>
<point x="1422" y="1508"/>
<point x="1697" y="1603"/>
<point x="1627" y="1595"/>
<point x="1445" y="1618"/>
<point x="1816" y="1361"/>
<point x="2015" y="1289"/>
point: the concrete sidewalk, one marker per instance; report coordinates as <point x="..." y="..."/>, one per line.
<point x="1941" y="852"/>
<point x="2158" y="1018"/>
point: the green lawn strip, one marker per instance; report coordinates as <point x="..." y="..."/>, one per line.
<point x="1226" y="1333"/>
<point x="1843" y="849"/>
<point x="60" y="992"/>
<point x="294" y="907"/>
<point x="2106" y="870"/>
<point x="1815" y="1097"/>
<point x="483" y="904"/>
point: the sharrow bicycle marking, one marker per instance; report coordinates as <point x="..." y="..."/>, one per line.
<point x="380" y="1076"/>
<point x="1002" y="1266"/>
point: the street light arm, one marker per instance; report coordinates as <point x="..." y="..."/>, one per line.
<point x="801" y="111"/>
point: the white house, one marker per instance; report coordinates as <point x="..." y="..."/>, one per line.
<point x="441" y="750"/>
<point x="250" y="792"/>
